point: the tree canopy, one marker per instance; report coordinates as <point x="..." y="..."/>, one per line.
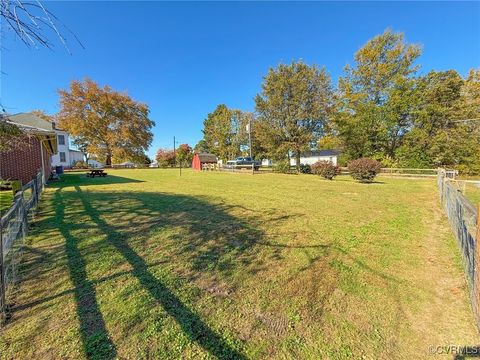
<point x="109" y="124"/>
<point x="381" y="108"/>
<point x="225" y="132"/>
<point x="376" y="96"/>
<point x="293" y="108"/>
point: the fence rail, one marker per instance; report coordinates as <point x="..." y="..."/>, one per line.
<point x="13" y="230"/>
<point x="464" y="218"/>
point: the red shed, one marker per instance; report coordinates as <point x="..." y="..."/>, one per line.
<point x="203" y="158"/>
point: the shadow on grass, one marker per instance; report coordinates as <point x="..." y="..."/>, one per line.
<point x="191" y="324"/>
<point x="82" y="179"/>
<point x="95" y="338"/>
<point x="209" y="237"/>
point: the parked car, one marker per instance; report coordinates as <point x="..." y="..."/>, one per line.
<point x="244" y="163"/>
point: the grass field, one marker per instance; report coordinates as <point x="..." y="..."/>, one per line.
<point x="146" y="264"/>
<point x="472" y="192"/>
<point x="6" y="198"/>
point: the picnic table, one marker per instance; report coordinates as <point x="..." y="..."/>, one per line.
<point x="96" y="172"/>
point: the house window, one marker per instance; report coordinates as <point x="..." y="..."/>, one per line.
<point x="62" y="157"/>
<point x="61" y="140"/>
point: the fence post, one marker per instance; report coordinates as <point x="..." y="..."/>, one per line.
<point x="476" y="285"/>
<point x="2" y="278"/>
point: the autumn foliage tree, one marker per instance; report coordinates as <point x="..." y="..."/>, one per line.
<point x="109" y="123"/>
<point x="165" y="158"/>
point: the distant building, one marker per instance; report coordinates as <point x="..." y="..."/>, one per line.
<point x="201" y="159"/>
<point x="24" y="163"/>
<point x="65" y="156"/>
<point x="311" y="157"/>
<point x="75" y="156"/>
<point x="94" y="163"/>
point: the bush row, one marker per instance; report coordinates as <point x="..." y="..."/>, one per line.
<point x="363" y="170"/>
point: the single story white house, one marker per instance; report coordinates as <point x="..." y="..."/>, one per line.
<point x="76" y="155"/>
<point x="95" y="164"/>
<point x="311" y="157"/>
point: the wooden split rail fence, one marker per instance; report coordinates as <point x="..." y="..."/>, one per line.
<point x="13" y="230"/>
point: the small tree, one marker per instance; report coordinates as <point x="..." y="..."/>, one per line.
<point x="364" y="169"/>
<point x="325" y="169"/>
<point x="165" y="158"/>
<point x="184" y="154"/>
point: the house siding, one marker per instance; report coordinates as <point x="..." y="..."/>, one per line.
<point x="64" y="148"/>
<point x="23" y="164"/>
<point x="313" y="159"/>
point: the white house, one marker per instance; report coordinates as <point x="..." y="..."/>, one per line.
<point x="95" y="164"/>
<point x="75" y="156"/>
<point x="311" y="157"/>
<point x="65" y="156"/>
<point x="62" y="157"/>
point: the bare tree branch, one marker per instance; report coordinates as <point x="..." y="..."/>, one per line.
<point x="32" y="22"/>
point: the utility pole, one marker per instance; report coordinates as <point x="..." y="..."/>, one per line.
<point x="249" y="129"/>
<point x="175" y="157"/>
<point x="174" y="153"/>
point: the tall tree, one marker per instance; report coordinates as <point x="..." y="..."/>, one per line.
<point x="293" y="108"/>
<point x="471" y="94"/>
<point x="376" y="96"/>
<point x="201" y="147"/>
<point x="110" y="123"/>
<point x="224" y="132"/>
<point x="439" y="102"/>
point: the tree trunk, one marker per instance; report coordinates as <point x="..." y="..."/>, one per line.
<point x="108" y="160"/>
<point x="297" y="160"/>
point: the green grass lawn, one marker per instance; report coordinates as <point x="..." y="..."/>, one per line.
<point x="472" y="191"/>
<point x="6" y="198"/>
<point x="144" y="264"/>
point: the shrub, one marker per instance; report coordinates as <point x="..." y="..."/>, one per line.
<point x="80" y="165"/>
<point x="282" y="166"/>
<point x="325" y="169"/>
<point x="364" y="169"/>
<point x="305" y="169"/>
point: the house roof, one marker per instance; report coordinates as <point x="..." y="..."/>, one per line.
<point x="207" y="158"/>
<point x="31" y="120"/>
<point x="43" y="129"/>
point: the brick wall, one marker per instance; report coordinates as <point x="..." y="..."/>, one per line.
<point x="24" y="164"/>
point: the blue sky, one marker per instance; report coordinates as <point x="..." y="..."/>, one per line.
<point x="183" y="59"/>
